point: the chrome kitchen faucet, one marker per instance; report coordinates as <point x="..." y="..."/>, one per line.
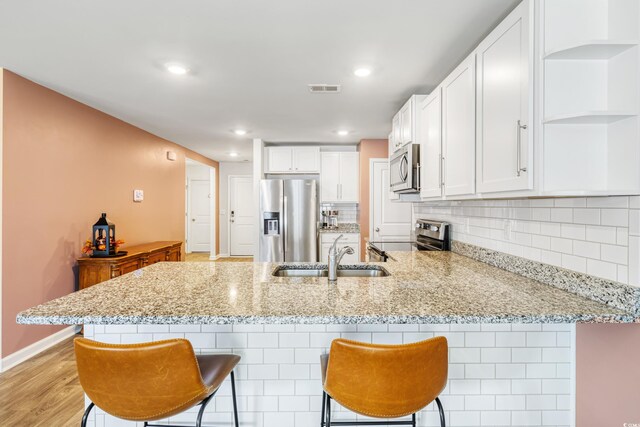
<point x="335" y="257"/>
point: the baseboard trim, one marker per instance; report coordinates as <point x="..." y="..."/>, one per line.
<point x="31" y="350"/>
<point x="216" y="257"/>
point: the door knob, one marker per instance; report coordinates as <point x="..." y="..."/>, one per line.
<point x="193" y="220"/>
<point x="377" y="229"/>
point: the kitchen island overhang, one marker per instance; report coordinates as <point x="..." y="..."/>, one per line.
<point x="511" y="339"/>
<point x="423" y="287"/>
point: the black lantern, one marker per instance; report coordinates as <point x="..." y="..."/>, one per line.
<point x="104" y="237"/>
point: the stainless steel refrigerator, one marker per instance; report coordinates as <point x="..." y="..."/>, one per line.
<point x="288" y="220"/>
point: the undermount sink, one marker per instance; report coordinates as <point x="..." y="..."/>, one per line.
<point x="322" y="271"/>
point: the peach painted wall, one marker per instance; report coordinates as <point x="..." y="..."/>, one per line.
<point x="64" y="163"/>
<point x="369" y="149"/>
<point x="607" y="375"/>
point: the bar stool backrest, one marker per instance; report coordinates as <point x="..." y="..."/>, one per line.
<point x="386" y="381"/>
<point x="140" y="381"/>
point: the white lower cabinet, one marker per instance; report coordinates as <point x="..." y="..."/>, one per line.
<point x="349" y="239"/>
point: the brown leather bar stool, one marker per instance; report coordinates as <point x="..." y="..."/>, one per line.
<point x="151" y="381"/>
<point x="383" y="381"/>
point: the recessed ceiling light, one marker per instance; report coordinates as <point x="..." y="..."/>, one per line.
<point x="362" y="72"/>
<point x="240" y="132"/>
<point x="177" y="69"/>
<point x="343" y="132"/>
<point x="233" y="154"/>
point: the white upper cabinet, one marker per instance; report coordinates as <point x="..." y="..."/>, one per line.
<point x="396" y="132"/>
<point x="406" y="122"/>
<point x="350" y="177"/>
<point x="429" y="129"/>
<point x="589" y="80"/>
<point x="458" y="129"/>
<point x="293" y="159"/>
<point x="504" y="146"/>
<point x="279" y="159"/>
<point x="403" y="126"/>
<point x="340" y="177"/>
<point x="306" y="159"/>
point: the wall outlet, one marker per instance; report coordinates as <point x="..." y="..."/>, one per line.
<point x="138" y="196"/>
<point x="223" y="211"/>
<point x="508" y="229"/>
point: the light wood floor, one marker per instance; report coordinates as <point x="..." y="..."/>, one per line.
<point x="43" y="391"/>
<point x="204" y="257"/>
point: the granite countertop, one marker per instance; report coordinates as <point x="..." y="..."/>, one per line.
<point x="347" y="227"/>
<point x="424" y="287"/>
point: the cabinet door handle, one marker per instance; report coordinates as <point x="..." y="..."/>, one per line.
<point x="519" y="167"/>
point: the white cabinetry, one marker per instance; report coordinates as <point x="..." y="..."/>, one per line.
<point x="403" y="125"/>
<point x="348" y="239"/>
<point x="392" y="195"/>
<point x="547" y="105"/>
<point x="340" y="177"/>
<point x="458" y="129"/>
<point x="293" y="159"/>
<point x="429" y="128"/>
<point x="590" y="130"/>
<point x="396" y="132"/>
<point x="504" y="147"/>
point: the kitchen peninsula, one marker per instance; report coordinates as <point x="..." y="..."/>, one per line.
<point x="511" y="338"/>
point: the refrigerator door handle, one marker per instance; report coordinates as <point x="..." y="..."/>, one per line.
<point x="284" y="228"/>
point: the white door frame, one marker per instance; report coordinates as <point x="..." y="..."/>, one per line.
<point x="212" y="207"/>
<point x="372" y="161"/>
<point x="229" y="179"/>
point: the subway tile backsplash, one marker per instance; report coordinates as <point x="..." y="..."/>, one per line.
<point x="599" y="236"/>
<point x="347" y="213"/>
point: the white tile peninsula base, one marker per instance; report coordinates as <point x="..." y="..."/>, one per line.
<point x="499" y="374"/>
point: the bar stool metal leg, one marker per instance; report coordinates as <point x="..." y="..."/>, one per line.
<point x="413" y="420"/>
<point x="235" y="403"/>
<point x="441" y="410"/>
<point x="85" y="417"/>
<point x="203" y="405"/>
<point x="328" y="411"/>
<point x="322" y="414"/>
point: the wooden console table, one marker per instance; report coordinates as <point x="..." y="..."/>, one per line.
<point x="96" y="270"/>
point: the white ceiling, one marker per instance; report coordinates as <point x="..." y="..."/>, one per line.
<point x="251" y="61"/>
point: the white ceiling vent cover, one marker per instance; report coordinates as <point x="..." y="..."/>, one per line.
<point x="324" y="88"/>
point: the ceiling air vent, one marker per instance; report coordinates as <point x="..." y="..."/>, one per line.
<point x="324" y="88"/>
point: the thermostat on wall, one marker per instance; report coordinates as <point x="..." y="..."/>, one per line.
<point x="138" y="195"/>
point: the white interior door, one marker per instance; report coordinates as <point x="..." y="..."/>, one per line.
<point x="241" y="216"/>
<point x="388" y="219"/>
<point x="199" y="238"/>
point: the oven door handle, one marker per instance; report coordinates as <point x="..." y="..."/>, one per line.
<point x="428" y="246"/>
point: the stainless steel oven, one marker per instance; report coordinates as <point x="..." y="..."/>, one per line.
<point x="404" y="169"/>
<point x="428" y="235"/>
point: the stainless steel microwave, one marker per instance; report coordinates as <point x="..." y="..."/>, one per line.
<point x="404" y="169"/>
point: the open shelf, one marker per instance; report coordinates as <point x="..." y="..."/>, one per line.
<point x="589" y="117"/>
<point x="592" y="49"/>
